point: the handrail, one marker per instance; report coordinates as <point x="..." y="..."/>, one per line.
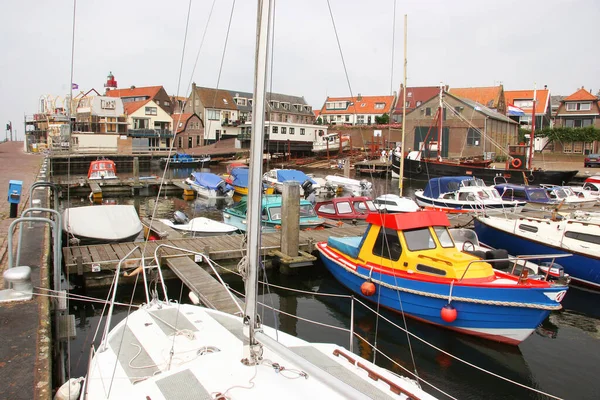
<point x="112" y="300"/>
<point x="208" y="261"/>
<point x="10" y="245"/>
<point x="51" y="185"/>
<point x="509" y="258"/>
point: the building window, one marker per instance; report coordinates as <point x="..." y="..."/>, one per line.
<point x="473" y="137"/>
<point x="379" y="106"/>
<point x="419" y="103"/>
<point x="213" y="114"/>
<point x="292" y="131"/>
<point x="407" y="104"/>
<point x="198" y="140"/>
<point x="180" y="142"/>
<point x="275" y="129"/>
<point x="150" y="110"/>
<point x="167" y="104"/>
<point x="190" y="142"/>
<point x="302" y="132"/>
<point x="585" y="106"/>
<point x="567" y="147"/>
<point x="577" y="147"/>
<point x="428" y="111"/>
<point x="283" y="129"/>
<point x="347" y="118"/>
<point x="360" y="119"/>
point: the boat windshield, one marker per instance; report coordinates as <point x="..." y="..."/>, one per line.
<point x="557" y="194"/>
<point x="307" y="210"/>
<point x="473" y="182"/>
<point x="444" y="236"/>
<point x="419" y="239"/>
<point x="537" y="195"/>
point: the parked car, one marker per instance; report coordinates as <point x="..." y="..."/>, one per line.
<point x="591" y="160"/>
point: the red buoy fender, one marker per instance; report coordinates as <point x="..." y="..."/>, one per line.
<point x="516" y="163"/>
<point x="448" y="313"/>
<point x="367" y="288"/>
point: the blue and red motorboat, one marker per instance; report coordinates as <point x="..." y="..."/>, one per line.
<point x="409" y="263"/>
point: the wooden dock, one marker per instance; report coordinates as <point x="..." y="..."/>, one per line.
<point x="209" y="291"/>
<point x="91" y="259"/>
<point x="373" y="167"/>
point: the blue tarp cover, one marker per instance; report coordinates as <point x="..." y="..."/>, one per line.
<point x="240" y="177"/>
<point x="284" y="175"/>
<point x="207" y="179"/>
<point x="182" y="157"/>
<point x="349" y="246"/>
<point x="436" y="186"/>
<point x="533" y="193"/>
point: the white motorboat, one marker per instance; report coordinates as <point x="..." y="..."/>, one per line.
<point x="354" y="186"/>
<point x="392" y="203"/>
<point x="209" y="185"/>
<point x="199" y="226"/>
<point x="465" y="194"/>
<point x="568" y="199"/>
<point x="275" y="178"/>
<point x="331" y="142"/>
<point x="101" y="224"/>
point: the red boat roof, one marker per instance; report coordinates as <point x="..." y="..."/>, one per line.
<point x="411" y="220"/>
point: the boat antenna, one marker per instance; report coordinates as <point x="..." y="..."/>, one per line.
<point x="531" y="136"/>
<point x="401" y="155"/>
<point x="251" y="322"/>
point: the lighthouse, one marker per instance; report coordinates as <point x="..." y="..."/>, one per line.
<point x="111" y="83"/>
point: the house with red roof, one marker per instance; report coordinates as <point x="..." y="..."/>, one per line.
<point x="358" y="110"/>
<point x="415" y="97"/>
<point x="491" y="96"/>
<point x="578" y="110"/>
<point x="523" y="99"/>
<point x="149" y="123"/>
<point x="189" y="131"/>
<point x="136" y="94"/>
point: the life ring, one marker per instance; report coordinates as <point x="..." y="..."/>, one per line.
<point x="530" y="178"/>
<point x="419" y="169"/>
<point x="516" y="163"/>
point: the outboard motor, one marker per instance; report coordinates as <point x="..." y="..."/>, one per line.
<point x="179" y="217"/>
<point x="222" y="188"/>
<point x="365" y="184"/>
<point x="557" y="271"/>
<point x="307" y="187"/>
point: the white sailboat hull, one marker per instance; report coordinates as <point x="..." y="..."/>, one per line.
<point x="201" y="226"/>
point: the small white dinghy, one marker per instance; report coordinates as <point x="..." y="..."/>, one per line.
<point x="199" y="226"/>
<point x="102" y="223"/>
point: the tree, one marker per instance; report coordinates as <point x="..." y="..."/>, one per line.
<point x="319" y="121"/>
<point x="383" y="120"/>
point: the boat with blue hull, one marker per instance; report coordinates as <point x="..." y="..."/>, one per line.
<point x="410" y="264"/>
<point x="579" y="237"/>
<point x="183" y="160"/>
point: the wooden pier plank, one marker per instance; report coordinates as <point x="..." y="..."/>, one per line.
<point x="209" y="290"/>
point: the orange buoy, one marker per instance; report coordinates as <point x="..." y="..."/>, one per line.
<point x="152" y="238"/>
<point x="367" y="288"/>
<point x="448" y="313"/>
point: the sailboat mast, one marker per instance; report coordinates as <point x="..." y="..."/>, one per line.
<point x="532" y="136"/>
<point x="440" y="122"/>
<point x="255" y="177"/>
<point x="401" y="171"/>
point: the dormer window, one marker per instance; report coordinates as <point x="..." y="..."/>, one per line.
<point x="381" y="106"/>
<point x="225" y="101"/>
<point x="579" y="106"/>
<point x="275" y="104"/>
<point x="286" y="106"/>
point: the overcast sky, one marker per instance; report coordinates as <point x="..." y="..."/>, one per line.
<point x="460" y="43"/>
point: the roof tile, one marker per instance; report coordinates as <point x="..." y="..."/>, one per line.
<point x="366" y="105"/>
<point x="580" y="95"/>
<point x="488" y="96"/>
<point x="542" y="97"/>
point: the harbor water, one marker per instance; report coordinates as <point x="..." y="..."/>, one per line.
<point x="561" y="358"/>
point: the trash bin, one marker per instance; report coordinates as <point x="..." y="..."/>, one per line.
<point x="14" y="196"/>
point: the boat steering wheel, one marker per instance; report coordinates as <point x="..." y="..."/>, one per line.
<point x="467" y="243"/>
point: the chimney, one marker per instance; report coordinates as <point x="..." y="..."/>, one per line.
<point x="545" y="87"/>
<point x="359" y="97"/>
<point x="194" y="111"/>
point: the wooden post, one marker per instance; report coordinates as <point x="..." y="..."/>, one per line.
<point x="290" y="219"/>
<point x="136" y="170"/>
<point x="347" y="167"/>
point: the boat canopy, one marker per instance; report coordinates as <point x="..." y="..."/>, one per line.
<point x="182" y="157"/>
<point x="293" y="175"/>
<point x="411" y="220"/>
<point x="533" y="193"/>
<point x="240" y="177"/>
<point x="208" y="180"/>
<point x="436" y="186"/>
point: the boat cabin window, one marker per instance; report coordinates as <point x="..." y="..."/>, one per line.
<point x="537" y="195"/>
<point x="326" y="208"/>
<point x="584" y="237"/>
<point x="275" y="213"/>
<point x="419" y="239"/>
<point x="466" y="196"/>
<point x="364" y="206"/>
<point x="387" y="244"/>
<point x="344" y="207"/>
<point x="590" y="187"/>
<point x="431" y="270"/>
<point x="306" y="210"/>
<point x="528" y="228"/>
<point x="449" y="196"/>
<point x="444" y="236"/>
<point x="514" y="194"/>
